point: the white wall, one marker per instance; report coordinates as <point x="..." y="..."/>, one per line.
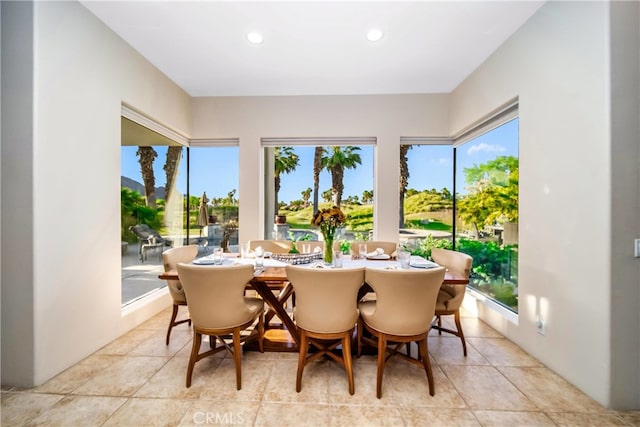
<point x="558" y="64"/>
<point x="386" y="117"/>
<point x="82" y="74"/>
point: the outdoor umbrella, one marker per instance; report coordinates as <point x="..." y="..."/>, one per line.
<point x="203" y="213"/>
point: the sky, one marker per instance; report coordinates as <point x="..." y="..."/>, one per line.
<point x="215" y="169"/>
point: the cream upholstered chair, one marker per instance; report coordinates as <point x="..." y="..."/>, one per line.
<point x="170" y="259"/>
<point x="326" y="310"/>
<point x="274" y="246"/>
<point x="402" y="313"/>
<point x="218" y="307"/>
<point x="389" y="248"/>
<point x="450" y="297"/>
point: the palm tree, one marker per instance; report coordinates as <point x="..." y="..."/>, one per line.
<point x="404" y="179"/>
<point x="367" y="196"/>
<point x="286" y="161"/>
<point x="317" y="168"/>
<point x="327" y="195"/>
<point x="336" y="160"/>
<point x="147" y="155"/>
<point x="305" y="196"/>
<point x="171" y="165"/>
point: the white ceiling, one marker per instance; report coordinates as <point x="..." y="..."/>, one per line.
<point x="314" y="48"/>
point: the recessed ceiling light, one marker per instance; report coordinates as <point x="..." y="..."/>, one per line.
<point x="255" y="38"/>
<point x="374" y="35"/>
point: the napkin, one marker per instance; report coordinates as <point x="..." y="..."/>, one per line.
<point x="317" y="265"/>
<point x="419" y="262"/>
<point x="378" y="251"/>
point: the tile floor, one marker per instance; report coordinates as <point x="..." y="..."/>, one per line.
<point x="138" y="381"/>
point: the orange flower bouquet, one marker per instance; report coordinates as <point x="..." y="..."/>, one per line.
<point x="328" y="220"/>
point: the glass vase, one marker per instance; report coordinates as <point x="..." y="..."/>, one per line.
<point x="328" y="251"/>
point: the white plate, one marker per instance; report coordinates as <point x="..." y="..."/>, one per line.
<point x="379" y="256"/>
<point x="203" y="261"/>
<point x="419" y="262"/>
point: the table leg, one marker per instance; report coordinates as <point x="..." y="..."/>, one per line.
<point x="282" y="298"/>
<point x="276" y="304"/>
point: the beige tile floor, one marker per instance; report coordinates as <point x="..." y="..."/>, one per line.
<point x="138" y="381"/>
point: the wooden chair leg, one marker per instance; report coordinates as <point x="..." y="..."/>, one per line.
<point x="174" y="314"/>
<point x="173" y="322"/>
<point x="302" y="356"/>
<point x="359" y="337"/>
<point x="439" y="319"/>
<point x="456" y="317"/>
<point x="236" y="357"/>
<point x="424" y="355"/>
<point x="382" y="346"/>
<point x="197" y="340"/>
<point x="346" y="355"/>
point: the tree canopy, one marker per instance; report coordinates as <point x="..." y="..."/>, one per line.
<point x="492" y="192"/>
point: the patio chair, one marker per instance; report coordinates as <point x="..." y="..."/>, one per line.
<point x="149" y="239"/>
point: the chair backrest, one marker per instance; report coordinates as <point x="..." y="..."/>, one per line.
<point x="216" y="294"/>
<point x="312" y="243"/>
<point x="170" y="260"/>
<point x="454" y="261"/>
<point x="457" y="262"/>
<point x="274" y="246"/>
<point x="389" y="248"/>
<point x="405" y="299"/>
<point x="326" y="299"/>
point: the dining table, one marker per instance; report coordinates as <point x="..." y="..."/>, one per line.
<point x="271" y="284"/>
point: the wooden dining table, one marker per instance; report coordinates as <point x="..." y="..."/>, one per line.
<point x="273" y="287"/>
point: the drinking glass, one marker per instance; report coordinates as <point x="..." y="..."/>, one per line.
<point x="337" y="258"/>
<point x="217" y="255"/>
<point x="259" y="257"/>
<point x="403" y="259"/>
<point x="362" y="251"/>
<point x="306" y="248"/>
<point x="244" y="250"/>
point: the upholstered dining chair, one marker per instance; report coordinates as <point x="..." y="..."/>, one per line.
<point x="218" y="307"/>
<point x="170" y="260"/>
<point x="402" y="313"/>
<point x="389" y="248"/>
<point x="450" y="297"/>
<point x="326" y="313"/>
<point x="274" y="246"/>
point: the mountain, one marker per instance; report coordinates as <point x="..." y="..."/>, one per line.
<point x="134" y="185"/>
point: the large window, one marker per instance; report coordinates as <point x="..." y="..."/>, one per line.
<point x="304" y="178"/>
<point x="426" y="197"/>
<point x="487" y="211"/>
<point x="213" y="179"/>
<point x="485" y="189"/>
<point x="152" y="189"/>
